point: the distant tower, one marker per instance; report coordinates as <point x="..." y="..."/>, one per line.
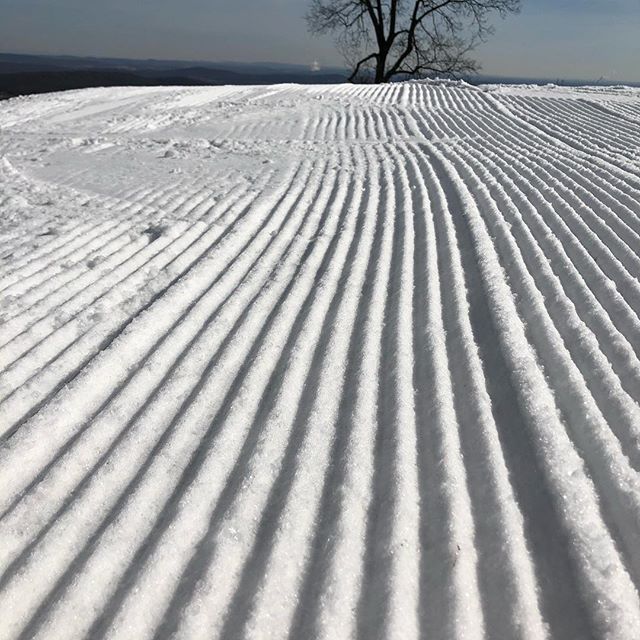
<point x="315" y="66"/>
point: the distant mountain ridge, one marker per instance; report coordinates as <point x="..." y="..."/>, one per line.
<point x="27" y="74"/>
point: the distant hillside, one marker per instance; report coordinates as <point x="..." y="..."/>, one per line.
<point x="217" y="76"/>
<point x="26" y="74"/>
<point x="15" y="84"/>
<point x="24" y="62"/>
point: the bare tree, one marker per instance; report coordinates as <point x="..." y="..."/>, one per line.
<point x="382" y="39"/>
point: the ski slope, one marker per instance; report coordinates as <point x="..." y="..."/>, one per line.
<point x="320" y="362"/>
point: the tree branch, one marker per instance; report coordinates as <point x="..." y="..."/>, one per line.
<point x="359" y="64"/>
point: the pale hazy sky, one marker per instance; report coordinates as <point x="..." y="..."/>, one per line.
<point x="582" y="39"/>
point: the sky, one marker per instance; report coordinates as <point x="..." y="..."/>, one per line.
<point x="556" y="39"/>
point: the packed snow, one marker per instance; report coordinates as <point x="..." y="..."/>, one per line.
<point x="320" y="362"/>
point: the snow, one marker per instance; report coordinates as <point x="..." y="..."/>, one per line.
<point x="322" y="361"/>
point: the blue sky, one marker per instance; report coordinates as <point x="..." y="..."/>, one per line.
<point x="584" y="39"/>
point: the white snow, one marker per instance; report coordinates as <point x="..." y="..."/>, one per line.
<point x="320" y="362"/>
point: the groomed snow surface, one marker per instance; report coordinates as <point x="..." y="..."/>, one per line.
<point x="320" y="362"/>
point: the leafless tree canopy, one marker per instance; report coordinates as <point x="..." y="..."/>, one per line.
<point x="381" y="39"/>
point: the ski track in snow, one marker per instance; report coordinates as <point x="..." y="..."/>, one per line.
<point x="320" y="362"/>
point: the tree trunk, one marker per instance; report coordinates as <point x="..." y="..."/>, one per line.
<point x="381" y="64"/>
